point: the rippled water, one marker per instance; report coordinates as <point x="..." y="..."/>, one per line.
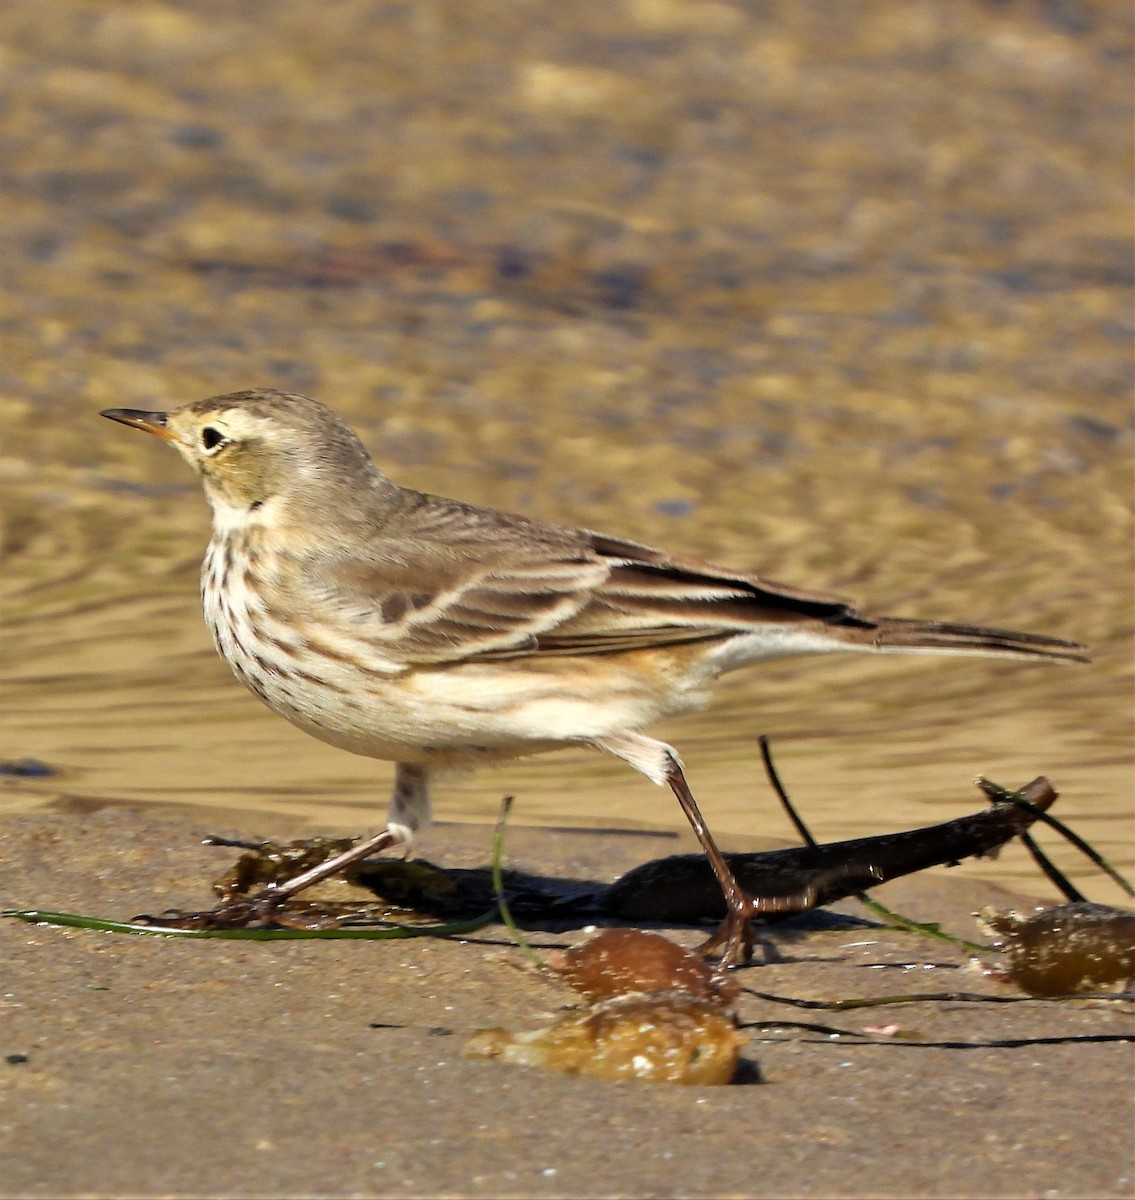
<point x="842" y="296"/>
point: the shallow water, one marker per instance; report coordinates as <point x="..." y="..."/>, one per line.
<point x="837" y="294"/>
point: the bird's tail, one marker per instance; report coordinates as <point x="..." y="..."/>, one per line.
<point x="901" y="634"/>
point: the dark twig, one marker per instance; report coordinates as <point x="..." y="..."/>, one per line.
<point x="778" y="787"/>
<point x="1055" y="875"/>
<point x="894" y="919"/>
<point x="995" y="793"/>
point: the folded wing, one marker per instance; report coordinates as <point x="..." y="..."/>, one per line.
<point x="446" y="582"/>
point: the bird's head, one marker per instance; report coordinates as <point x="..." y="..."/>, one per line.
<point x="265" y="450"/>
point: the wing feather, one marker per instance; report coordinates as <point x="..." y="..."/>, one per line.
<point x="444" y="582"/>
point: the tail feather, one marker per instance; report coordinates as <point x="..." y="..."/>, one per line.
<point x="900" y="633"/>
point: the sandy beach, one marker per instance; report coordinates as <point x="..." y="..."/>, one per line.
<point x="147" y="1066"/>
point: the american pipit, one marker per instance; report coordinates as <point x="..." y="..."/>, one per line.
<point x="435" y="634"/>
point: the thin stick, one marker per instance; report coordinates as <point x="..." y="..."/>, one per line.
<point x="1055" y="875"/>
<point x="778" y="787"/>
<point x="996" y="792"/>
<point x="893" y="919"/>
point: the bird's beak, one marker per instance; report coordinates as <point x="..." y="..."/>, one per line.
<point x="151" y="422"/>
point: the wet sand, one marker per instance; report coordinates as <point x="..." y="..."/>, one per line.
<point x="158" y="1067"/>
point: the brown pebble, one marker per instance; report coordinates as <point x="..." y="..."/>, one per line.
<point x="620" y="961"/>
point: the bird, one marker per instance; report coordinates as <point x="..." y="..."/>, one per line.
<point x="437" y="634"/>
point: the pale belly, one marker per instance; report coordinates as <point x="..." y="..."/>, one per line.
<point x="463" y="713"/>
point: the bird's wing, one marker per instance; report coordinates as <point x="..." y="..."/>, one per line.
<point x="648" y="598"/>
<point x="446" y="582"/>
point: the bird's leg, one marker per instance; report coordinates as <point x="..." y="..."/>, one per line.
<point x="263" y="908"/>
<point x="660" y="764"/>
<point x="410" y="803"/>
<point x="409" y="810"/>
<point x="734" y="936"/>
<point x="277" y="893"/>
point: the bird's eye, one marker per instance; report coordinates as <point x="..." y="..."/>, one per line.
<point x="211" y="439"/>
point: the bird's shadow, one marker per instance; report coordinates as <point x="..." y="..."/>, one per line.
<point x="679" y="889"/>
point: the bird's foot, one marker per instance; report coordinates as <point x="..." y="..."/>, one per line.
<point x="733" y="938"/>
<point x="732" y="942"/>
<point x="261" y="911"/>
<point x="269" y="908"/>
